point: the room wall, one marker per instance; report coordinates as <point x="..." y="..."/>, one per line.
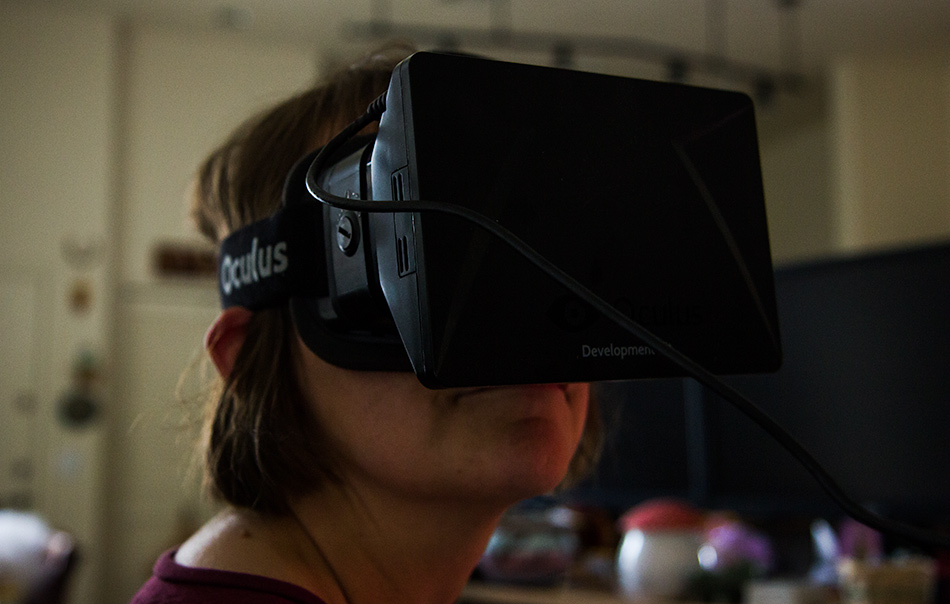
<point x="101" y="123"/>
<point x="57" y="72"/>
<point x="891" y="140"/>
<point x="869" y="167"/>
<point x="183" y="93"/>
<point x="797" y="172"/>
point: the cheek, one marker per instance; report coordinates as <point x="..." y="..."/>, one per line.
<point x="579" y="399"/>
<point x="575" y="413"/>
<point x="578" y="396"/>
<point x="387" y="428"/>
<point x="376" y="421"/>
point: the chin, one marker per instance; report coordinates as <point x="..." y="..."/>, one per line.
<point x="529" y="486"/>
<point x="536" y="465"/>
<point x="541" y="448"/>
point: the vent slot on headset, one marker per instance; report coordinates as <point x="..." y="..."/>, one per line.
<point x="402" y="256"/>
<point x="399" y="185"/>
<point x="404" y="223"/>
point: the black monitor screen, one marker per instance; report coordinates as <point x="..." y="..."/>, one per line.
<point x="865" y="386"/>
<point x="645" y="452"/>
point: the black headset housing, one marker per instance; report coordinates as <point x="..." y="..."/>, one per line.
<point x="647" y="193"/>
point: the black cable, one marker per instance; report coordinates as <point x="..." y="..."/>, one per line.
<point x="909" y="534"/>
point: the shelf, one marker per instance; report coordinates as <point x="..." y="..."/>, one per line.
<point x="483" y="593"/>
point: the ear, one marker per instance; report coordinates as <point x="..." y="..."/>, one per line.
<point x="226" y="336"/>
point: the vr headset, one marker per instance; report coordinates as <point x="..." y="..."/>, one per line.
<point x="573" y="227"/>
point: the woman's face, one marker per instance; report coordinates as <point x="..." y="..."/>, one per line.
<point x="502" y="444"/>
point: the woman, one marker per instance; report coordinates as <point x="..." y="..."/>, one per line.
<point x="344" y="486"/>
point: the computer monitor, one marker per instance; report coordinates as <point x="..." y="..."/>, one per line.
<point x="865" y="386"/>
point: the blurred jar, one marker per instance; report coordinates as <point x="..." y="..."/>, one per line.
<point x="658" y="551"/>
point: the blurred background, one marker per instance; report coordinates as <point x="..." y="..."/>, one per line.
<point x="106" y="106"/>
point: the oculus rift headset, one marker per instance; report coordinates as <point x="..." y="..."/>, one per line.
<point x="581" y="228"/>
<point x="577" y="227"/>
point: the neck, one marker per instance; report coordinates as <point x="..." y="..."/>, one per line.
<point x="376" y="547"/>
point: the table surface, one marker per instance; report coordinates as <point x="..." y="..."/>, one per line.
<point x="479" y="593"/>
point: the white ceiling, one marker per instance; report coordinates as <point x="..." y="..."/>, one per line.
<point x="750" y="31"/>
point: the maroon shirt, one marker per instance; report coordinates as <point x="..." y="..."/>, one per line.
<point x="172" y="583"/>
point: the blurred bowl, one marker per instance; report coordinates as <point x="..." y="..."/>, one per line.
<point x="529" y="548"/>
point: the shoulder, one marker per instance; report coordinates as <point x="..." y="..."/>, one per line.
<point x="225" y="543"/>
<point x="173" y="583"/>
<point x="241" y="541"/>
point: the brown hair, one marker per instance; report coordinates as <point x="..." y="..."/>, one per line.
<point x="262" y="445"/>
